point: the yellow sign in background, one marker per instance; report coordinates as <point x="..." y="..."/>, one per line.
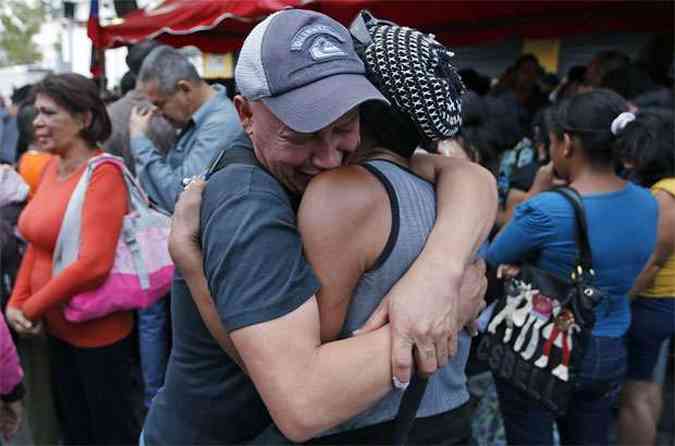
<point x="546" y="50"/>
<point x="218" y="66"/>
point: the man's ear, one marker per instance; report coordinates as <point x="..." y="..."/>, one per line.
<point x="243" y="107"/>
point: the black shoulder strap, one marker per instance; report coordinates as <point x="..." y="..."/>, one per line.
<point x="407" y="411"/>
<point x="585" y="255"/>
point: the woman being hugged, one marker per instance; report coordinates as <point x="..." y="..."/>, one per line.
<point x="647" y="144"/>
<point x="89" y="360"/>
<point x="622" y="221"/>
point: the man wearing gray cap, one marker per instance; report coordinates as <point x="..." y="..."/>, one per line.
<point x="301" y="84"/>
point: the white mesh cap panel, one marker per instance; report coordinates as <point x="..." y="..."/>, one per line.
<point x="249" y="73"/>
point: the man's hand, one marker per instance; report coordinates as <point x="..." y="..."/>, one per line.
<point x="431" y="327"/>
<point x="184" y="245"/>
<point x="11" y="415"/>
<point x="139" y="120"/>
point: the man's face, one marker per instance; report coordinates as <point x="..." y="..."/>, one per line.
<point x="174" y="107"/>
<point x="293" y="157"/>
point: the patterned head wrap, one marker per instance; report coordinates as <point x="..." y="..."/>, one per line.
<point x="413" y="71"/>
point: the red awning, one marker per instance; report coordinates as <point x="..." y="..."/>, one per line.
<point x="219" y="26"/>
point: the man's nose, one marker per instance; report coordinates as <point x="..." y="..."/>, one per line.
<point x="327" y="156"/>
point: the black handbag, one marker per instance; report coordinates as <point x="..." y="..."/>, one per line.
<point x="539" y="329"/>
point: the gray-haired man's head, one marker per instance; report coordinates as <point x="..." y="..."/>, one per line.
<point x="170" y="81"/>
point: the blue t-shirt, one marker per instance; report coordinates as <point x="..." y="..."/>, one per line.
<point x="256" y="272"/>
<point x="622" y="232"/>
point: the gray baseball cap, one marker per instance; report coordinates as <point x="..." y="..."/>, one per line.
<point x="303" y="67"/>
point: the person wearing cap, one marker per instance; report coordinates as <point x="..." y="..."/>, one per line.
<point x="203" y="113"/>
<point x="300" y="93"/>
<point x="395" y="210"/>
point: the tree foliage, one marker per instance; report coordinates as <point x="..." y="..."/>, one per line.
<point x="20" y="21"/>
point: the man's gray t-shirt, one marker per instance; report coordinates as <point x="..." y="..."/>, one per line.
<point x="256" y="272"/>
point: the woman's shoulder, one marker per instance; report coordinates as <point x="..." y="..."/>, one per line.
<point x="665" y="184"/>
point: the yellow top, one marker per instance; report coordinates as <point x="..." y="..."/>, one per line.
<point x="664" y="282"/>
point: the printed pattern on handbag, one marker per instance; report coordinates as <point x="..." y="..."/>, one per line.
<point x="537" y="335"/>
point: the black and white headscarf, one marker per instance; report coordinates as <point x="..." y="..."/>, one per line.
<point x="413" y="71"/>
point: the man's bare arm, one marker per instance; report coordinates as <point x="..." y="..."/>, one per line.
<point x="309" y="387"/>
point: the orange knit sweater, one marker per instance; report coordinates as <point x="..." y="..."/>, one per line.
<point x="42" y="296"/>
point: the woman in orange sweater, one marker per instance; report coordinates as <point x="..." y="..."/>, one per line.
<point x="89" y="361"/>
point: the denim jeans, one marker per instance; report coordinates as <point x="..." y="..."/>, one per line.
<point x="588" y="417"/>
<point x="154" y="338"/>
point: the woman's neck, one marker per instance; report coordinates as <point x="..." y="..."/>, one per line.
<point x="593" y="179"/>
<point x="73" y="157"/>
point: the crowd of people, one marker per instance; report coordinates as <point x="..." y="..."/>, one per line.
<point x="322" y="259"/>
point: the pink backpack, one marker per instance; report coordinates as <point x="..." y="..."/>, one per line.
<point x="142" y="271"/>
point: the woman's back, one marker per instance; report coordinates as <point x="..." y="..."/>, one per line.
<point x="622" y="234"/>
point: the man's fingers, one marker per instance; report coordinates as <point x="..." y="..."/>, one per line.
<point x="452" y="345"/>
<point x="377" y="319"/>
<point x="401" y="361"/>
<point x="425" y="359"/>
<point x="443" y="351"/>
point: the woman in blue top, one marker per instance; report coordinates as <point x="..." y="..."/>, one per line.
<point x="622" y="220"/>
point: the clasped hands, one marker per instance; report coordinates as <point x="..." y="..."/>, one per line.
<point x="21" y="324"/>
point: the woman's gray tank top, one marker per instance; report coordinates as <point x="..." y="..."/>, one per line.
<point x="413" y="206"/>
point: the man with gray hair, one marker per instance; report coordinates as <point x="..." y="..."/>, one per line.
<point x="208" y="124"/>
<point x="204" y="114"/>
<point x="301" y="85"/>
<point x="159" y="131"/>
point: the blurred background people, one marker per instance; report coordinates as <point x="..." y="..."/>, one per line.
<point x="582" y="135"/>
<point x="88" y="360"/>
<point x="11" y="385"/>
<point x="647" y="143"/>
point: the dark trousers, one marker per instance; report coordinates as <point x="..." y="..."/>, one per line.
<point x="587" y="421"/>
<point x="93" y="393"/>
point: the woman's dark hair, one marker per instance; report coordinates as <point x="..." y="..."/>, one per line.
<point x="587" y="117"/>
<point x="127" y="83"/>
<point x="77" y="94"/>
<point x="389" y="128"/>
<point x="629" y="81"/>
<point x="647" y="143"/>
<point x="24" y="124"/>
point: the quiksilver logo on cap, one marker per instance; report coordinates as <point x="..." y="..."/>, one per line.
<point x="322" y="46"/>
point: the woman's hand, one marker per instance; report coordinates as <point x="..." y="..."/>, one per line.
<point x="20" y="323"/>
<point x="11" y="415"/>
<point x="184" y="244"/>
<point x="507" y="271"/>
<point x="545" y="180"/>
